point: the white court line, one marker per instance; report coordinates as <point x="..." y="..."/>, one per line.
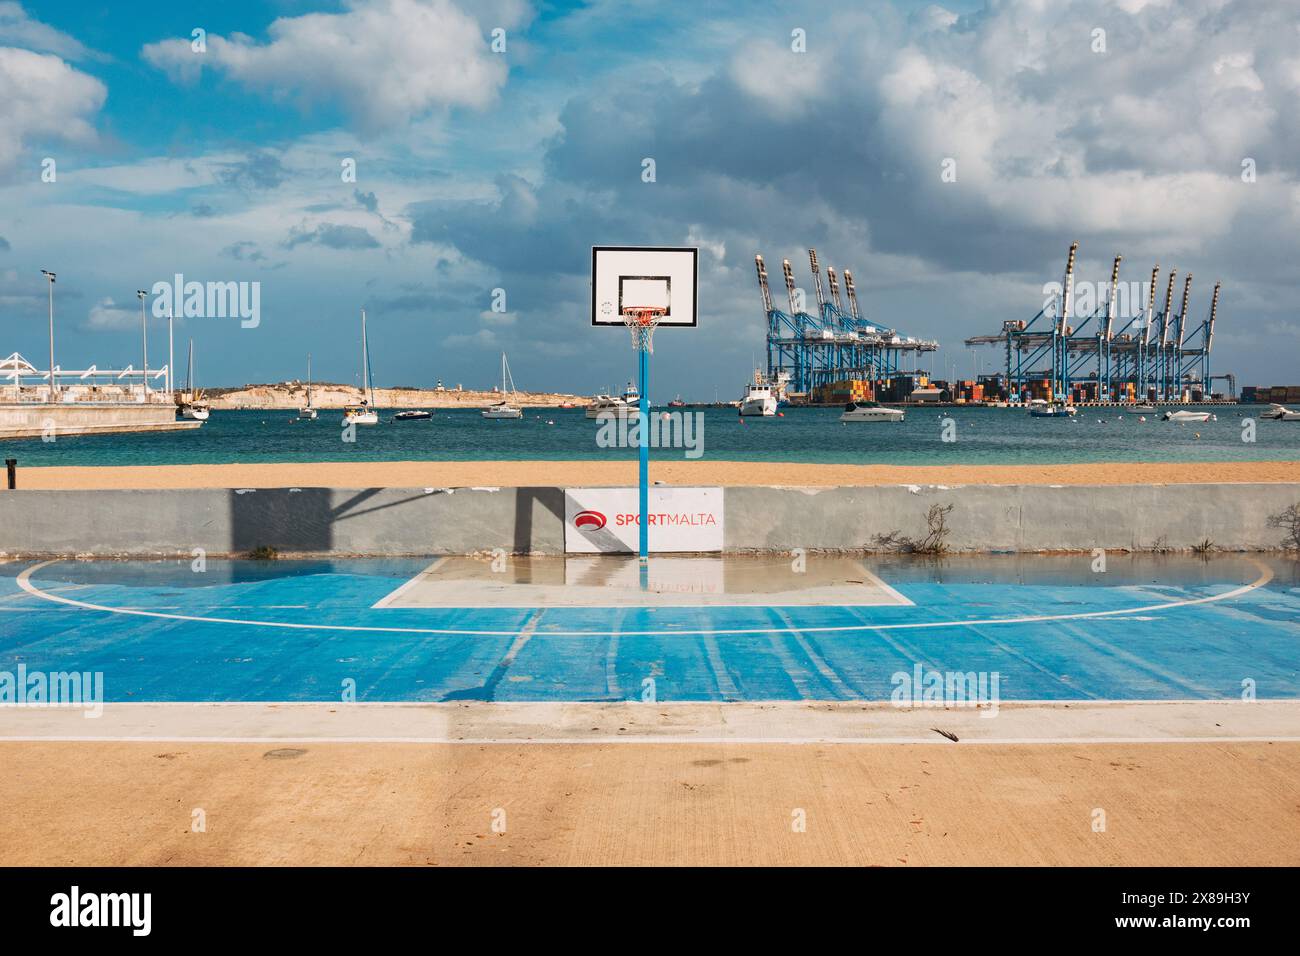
<point x="388" y="599"/>
<point x="932" y="739"/>
<point x="879" y="582"/>
<point x="682" y="723"/>
<point x="24" y="582"/>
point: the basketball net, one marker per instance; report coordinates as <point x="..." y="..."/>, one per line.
<point x="642" y="321"/>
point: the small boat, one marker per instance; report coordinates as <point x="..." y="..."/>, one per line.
<point x="870" y="412"/>
<point x="307" y="413"/>
<point x="193" y="408"/>
<point x="1280" y="413"/>
<point x="504" y="409"/>
<point x="363" y="413"/>
<point x="413" y="415"/>
<point x="1186" y="415"/>
<point x="632" y="394"/>
<point x="606" y="405"/>
<point x="759" y="400"/>
<point x="1039" y="408"/>
<point x="677" y="403"/>
<point x="1141" y="409"/>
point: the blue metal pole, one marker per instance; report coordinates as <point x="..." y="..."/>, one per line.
<point x="644" y="536"/>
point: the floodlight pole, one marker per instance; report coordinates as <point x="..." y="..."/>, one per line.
<point x="53" y="390"/>
<point x="144" y="336"/>
<point x="171" y="359"/>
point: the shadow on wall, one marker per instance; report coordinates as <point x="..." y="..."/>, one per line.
<point x="396" y="520"/>
<point x="286" y="519"/>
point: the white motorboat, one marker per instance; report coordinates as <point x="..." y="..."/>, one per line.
<point x="363" y="413"/>
<point x="606" y="405"/>
<point x="193" y="408"/>
<point x="308" y="413"/>
<point x="1039" y="408"/>
<point x="760" y="399"/>
<point x="1141" y="409"/>
<point x="870" y="412"/>
<point x="504" y="409"/>
<point x="1187" y="415"/>
<point x="1280" y="413"/>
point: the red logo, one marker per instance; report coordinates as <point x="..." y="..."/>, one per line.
<point x="594" y="519"/>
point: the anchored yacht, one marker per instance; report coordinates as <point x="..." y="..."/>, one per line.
<point x="870" y="412"/>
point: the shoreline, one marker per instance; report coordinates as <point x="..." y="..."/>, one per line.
<point x="510" y="474"/>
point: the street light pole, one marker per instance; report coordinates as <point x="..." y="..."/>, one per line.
<point x="144" y="334"/>
<point x="171" y="357"/>
<point x="50" y="276"/>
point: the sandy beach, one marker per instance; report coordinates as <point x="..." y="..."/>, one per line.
<point x="511" y="474"/>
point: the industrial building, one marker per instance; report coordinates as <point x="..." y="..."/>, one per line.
<point x="835" y="353"/>
<point x="1152" y="356"/>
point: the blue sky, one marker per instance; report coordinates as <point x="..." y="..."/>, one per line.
<point x="479" y="170"/>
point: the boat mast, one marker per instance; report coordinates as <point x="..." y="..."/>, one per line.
<point x="189" y="373"/>
<point x="309" y="380"/>
<point x="365" y="363"/>
<point x="505" y="375"/>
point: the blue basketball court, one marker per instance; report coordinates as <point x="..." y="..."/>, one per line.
<point x="705" y="629"/>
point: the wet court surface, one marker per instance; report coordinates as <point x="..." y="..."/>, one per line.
<point x="699" y="629"/>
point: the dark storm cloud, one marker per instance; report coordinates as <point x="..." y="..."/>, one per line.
<point x="244" y="251"/>
<point x="333" y="236"/>
<point x="261" y="170"/>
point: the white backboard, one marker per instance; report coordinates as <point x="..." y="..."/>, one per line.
<point x="625" y="276"/>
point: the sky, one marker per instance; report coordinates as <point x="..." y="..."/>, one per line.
<point x="948" y="155"/>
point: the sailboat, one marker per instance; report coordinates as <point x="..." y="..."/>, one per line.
<point x="504" y="409"/>
<point x="364" y="413"/>
<point x="193" y="408"/>
<point x="307" y="412"/>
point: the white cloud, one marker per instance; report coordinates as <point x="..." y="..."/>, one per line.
<point x="42" y="99"/>
<point x="107" y="316"/>
<point x="384" y="62"/>
<point x="483" y="338"/>
<point x="778" y="76"/>
<point x="18" y="29"/>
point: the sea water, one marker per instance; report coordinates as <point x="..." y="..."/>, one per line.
<point x="928" y="436"/>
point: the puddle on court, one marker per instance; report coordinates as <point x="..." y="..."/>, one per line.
<point x="663" y="581"/>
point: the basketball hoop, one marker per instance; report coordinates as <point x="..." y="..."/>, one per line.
<point x="642" y="321"/>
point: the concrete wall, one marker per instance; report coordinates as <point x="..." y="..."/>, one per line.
<point x="1012" y="517"/>
<point x="432" y="521"/>
<point x="27" y="420"/>
<point x="322" y="520"/>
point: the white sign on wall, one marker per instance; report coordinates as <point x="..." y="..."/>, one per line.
<point x="605" y="520"/>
